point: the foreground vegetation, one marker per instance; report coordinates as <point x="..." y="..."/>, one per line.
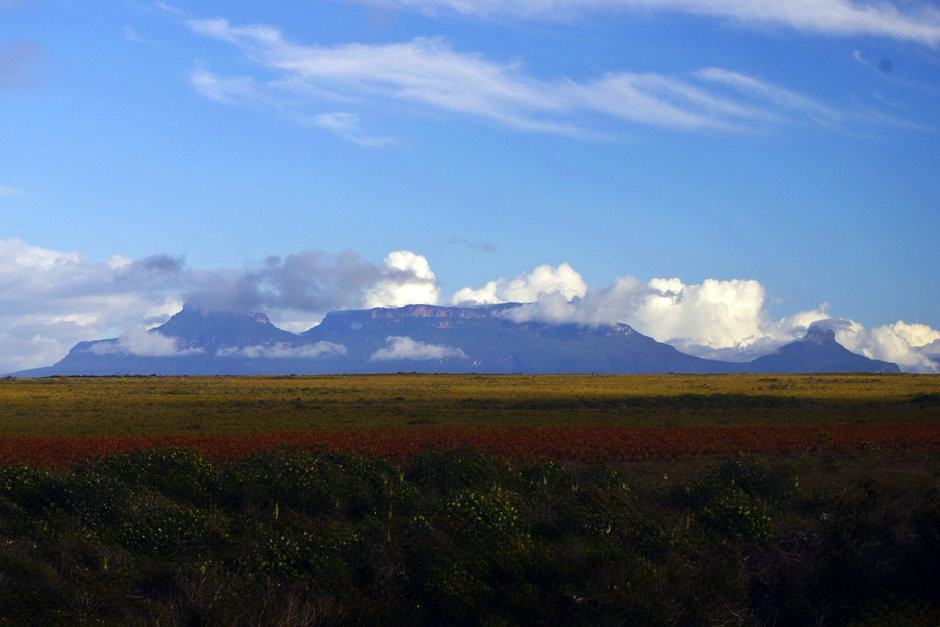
<point x="291" y="537"/>
<point x="131" y="406"/>
<point x="460" y="500"/>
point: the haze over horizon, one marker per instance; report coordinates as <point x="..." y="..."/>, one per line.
<point x="718" y="175"/>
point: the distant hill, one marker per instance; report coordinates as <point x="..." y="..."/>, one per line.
<point x="818" y="351"/>
<point x="421" y="338"/>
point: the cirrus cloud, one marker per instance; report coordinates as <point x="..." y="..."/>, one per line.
<point x="293" y="78"/>
<point x="914" y="21"/>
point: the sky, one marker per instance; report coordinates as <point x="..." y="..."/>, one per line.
<point x="717" y="173"/>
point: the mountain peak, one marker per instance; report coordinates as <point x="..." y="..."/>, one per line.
<point x="820" y="334"/>
<point x="195" y="312"/>
<point x="431" y="338"/>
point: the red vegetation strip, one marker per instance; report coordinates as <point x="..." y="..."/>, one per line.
<point x="590" y="444"/>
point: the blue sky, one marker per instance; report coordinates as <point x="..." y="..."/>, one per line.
<point x="791" y="144"/>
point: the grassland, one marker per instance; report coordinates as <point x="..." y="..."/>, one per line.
<point x="576" y="504"/>
<point x="132" y="406"/>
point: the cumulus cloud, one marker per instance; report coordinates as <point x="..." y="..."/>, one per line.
<point x="141" y="342"/>
<point x="283" y="350"/>
<point x="716" y="319"/>
<point x="398" y="347"/>
<point x="526" y="287"/>
<point x="428" y="71"/>
<point x="907" y="345"/>
<point x="911" y="21"/>
<point x="406" y="279"/>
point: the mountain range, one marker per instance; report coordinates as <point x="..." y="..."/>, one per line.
<point x="422" y="338"/>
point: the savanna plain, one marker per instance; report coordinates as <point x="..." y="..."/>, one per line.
<point x="464" y="499"/>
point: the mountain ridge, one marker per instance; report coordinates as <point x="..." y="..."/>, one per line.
<point x="423" y="338"/>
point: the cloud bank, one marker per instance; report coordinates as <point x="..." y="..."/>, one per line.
<point x="909" y="21"/>
<point x="51" y="300"/>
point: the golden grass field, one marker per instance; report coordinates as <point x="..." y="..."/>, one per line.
<point x="127" y="406"/>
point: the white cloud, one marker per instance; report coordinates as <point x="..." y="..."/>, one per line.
<point x="912" y="21"/>
<point x="284" y="350"/>
<point x="406" y="348"/>
<point x="762" y="89"/>
<point x="226" y="90"/>
<point x="406" y="279"/>
<point x="716" y="319"/>
<point x="526" y="287"/>
<point x="141" y="342"/>
<point x="9" y="190"/>
<point x="348" y="126"/>
<point x="51" y="300"/>
<point x="428" y="71"/>
<point x="908" y="345"/>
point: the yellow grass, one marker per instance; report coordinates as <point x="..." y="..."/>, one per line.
<point x="171" y="405"/>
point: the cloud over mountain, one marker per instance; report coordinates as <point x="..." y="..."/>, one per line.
<point x="50" y="300"/>
<point x="143" y="343"/>
<point x="717" y="319"/>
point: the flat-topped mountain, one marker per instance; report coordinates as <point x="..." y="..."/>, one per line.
<point x="421" y="338"/>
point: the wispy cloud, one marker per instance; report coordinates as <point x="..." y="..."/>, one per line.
<point x="779" y="96"/>
<point x="429" y="71"/>
<point x="463" y="241"/>
<point x="8" y="191"/>
<point x="911" y="21"/>
<point x="295" y="78"/>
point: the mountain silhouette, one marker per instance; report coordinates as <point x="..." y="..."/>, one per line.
<point x="423" y="338"/>
<point x="818" y="351"/>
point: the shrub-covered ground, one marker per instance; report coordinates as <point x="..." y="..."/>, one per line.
<point x="168" y="537"/>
